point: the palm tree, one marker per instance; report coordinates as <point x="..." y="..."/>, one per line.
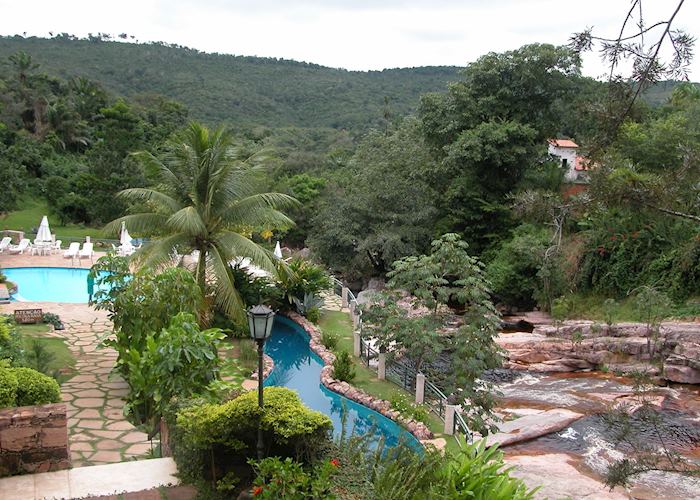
<point x="205" y="200"/>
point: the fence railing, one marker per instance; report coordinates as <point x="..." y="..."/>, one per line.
<point x="400" y="372"/>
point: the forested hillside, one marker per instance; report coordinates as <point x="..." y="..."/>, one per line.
<point x="235" y="89"/>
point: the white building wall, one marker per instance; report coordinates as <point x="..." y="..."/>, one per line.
<point x="568" y="154"/>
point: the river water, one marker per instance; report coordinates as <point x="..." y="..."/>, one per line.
<point x="590" y="443"/>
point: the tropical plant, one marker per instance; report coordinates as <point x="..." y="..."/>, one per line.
<point x="343" y="368"/>
<point x="143" y="306"/>
<point x="205" y="201"/>
<point x="303" y="279"/>
<point x="480" y="473"/>
<point x="309" y="303"/>
<point x="277" y="478"/>
<point x="181" y="361"/>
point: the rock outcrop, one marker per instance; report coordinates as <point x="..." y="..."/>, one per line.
<point x="583" y="345"/>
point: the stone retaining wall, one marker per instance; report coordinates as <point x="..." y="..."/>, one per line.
<point x="418" y="429"/>
<point x="268" y="365"/>
<point x="33" y="439"/>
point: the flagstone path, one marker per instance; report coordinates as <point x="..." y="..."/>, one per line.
<point x="98" y="432"/>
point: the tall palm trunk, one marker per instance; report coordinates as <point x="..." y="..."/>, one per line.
<point x="202" y="269"/>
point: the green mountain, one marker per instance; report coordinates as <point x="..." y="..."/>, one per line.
<point x="237" y="89"/>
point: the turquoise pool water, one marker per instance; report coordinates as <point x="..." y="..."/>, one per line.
<point x="49" y="284"/>
<point x="298" y="368"/>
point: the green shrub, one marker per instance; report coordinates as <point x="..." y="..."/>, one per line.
<point x="8" y="386"/>
<point x="343" y="367"/>
<point x="478" y="472"/>
<point x="210" y="440"/>
<point x="35" y="388"/>
<point x="330" y="340"/>
<point x="53" y="319"/>
<point x="406" y="407"/>
<point x="313" y="314"/>
<point x="276" y="478"/>
<point x="10" y="341"/>
<point x="302" y="278"/>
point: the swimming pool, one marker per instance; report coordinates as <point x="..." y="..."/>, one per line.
<point x="298" y="368"/>
<point x="49" y="284"/>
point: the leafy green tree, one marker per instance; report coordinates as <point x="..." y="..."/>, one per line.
<point x="450" y="277"/>
<point x="520" y="272"/>
<point x="489" y="129"/>
<point x="380" y="209"/>
<point x="205" y="201"/>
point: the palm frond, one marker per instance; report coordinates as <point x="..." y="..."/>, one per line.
<point x="226" y="296"/>
<point x="187" y="220"/>
<point x="232" y="245"/>
<point x="150" y="196"/>
<point x="162" y="251"/>
<point x="142" y="223"/>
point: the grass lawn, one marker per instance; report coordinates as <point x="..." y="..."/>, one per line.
<point x="30" y="217"/>
<point x="62" y="360"/>
<point x="339" y="323"/>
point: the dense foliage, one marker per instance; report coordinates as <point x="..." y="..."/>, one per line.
<point x="243" y="90"/>
<point x="20" y="386"/>
<point x="212" y="439"/>
<point x="68" y="141"/>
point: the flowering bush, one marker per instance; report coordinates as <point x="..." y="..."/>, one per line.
<point x="287" y="479"/>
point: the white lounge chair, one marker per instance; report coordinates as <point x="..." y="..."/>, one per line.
<point x="23" y="245"/>
<point x="5" y="243"/>
<point x="86" y="251"/>
<point x="72" y="251"/>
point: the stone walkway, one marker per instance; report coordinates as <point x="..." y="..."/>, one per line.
<point x="98" y="432"/>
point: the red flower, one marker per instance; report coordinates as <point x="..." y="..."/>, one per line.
<point x="335" y="462"/>
<point x="613" y="238"/>
<point x="257" y="490"/>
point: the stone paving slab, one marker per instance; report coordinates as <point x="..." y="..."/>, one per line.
<point x="92" y="481"/>
<point x="98" y="433"/>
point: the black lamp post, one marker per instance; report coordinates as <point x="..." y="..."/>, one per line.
<point x="260" y="320"/>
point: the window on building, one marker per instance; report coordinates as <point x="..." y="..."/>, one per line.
<point x="564" y="163"/>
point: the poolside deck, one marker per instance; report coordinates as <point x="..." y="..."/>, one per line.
<point x="8" y="260"/>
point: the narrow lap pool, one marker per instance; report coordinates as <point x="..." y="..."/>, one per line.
<point x="49" y="284"/>
<point x="298" y="368"/>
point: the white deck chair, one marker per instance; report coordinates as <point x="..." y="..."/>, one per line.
<point x="56" y="247"/>
<point x="23" y="245"/>
<point x="86" y="251"/>
<point x="5" y="243"/>
<point x="72" y="251"/>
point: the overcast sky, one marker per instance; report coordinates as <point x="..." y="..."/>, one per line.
<point x="352" y="34"/>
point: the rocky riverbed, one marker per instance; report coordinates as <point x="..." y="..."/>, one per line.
<point x="564" y="379"/>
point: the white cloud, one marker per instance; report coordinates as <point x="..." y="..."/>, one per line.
<point x="353" y="34"/>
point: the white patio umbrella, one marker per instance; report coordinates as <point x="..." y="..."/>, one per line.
<point x="44" y="233"/>
<point x="125" y="237"/>
<point x="278" y="251"/>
